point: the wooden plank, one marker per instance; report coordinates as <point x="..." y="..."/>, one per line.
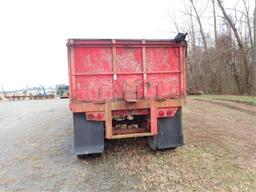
<point x="131" y="135"/>
<point x="153" y="117"/>
<point x="122" y="105"/>
<point x="108" y="121"/>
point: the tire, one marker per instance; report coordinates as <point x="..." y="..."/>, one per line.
<point x="170" y="134"/>
<point x="88" y="136"/>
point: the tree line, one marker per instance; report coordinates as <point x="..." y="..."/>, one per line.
<point x="221" y="56"/>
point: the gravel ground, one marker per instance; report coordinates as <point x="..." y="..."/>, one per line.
<point x="36" y="152"/>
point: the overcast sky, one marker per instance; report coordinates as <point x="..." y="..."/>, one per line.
<point x="33" y="33"/>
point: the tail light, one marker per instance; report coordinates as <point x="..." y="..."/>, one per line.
<point x="169" y="112"/>
<point x="166" y="112"/>
<point x="95" y="116"/>
<point x="160" y="113"/>
<point x="100" y="116"/>
<point x="90" y="116"/>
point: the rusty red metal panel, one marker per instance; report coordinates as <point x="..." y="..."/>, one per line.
<point x="93" y="60"/>
<point x="94" y="88"/>
<point x="98" y="74"/>
<point x="127" y="71"/>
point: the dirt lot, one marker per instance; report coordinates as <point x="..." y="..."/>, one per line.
<point x="36" y="141"/>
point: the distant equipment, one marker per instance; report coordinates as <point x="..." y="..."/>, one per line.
<point x="62" y="91"/>
<point x="43" y="89"/>
<point x="3" y="90"/>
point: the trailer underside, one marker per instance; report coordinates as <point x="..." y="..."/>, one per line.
<point x="160" y="120"/>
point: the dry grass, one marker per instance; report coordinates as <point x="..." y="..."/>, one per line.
<point x="189" y="168"/>
<point x="234" y="98"/>
<point x="6" y="180"/>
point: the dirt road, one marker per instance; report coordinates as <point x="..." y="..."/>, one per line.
<point x="36" y="141"/>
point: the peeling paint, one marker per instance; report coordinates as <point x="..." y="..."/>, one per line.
<point x="163" y="78"/>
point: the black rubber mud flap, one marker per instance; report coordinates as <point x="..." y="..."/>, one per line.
<point x="170" y="133"/>
<point x="88" y="135"/>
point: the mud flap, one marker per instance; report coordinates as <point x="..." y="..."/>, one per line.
<point x="169" y="134"/>
<point x="88" y="135"/>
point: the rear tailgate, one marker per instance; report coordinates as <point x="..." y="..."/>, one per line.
<point x="109" y="70"/>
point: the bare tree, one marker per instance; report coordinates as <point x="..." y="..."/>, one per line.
<point x="246" y="8"/>
<point x="193" y="36"/>
<point x="200" y="25"/>
<point x="240" y="45"/>
<point x="205" y="45"/>
<point x="221" y="60"/>
<point x="215" y="24"/>
<point x="218" y="87"/>
<point x="254" y="47"/>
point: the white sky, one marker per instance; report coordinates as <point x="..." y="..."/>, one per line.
<point x="33" y="33"/>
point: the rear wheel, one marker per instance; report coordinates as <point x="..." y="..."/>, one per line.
<point x="169" y="135"/>
<point x="88" y="136"/>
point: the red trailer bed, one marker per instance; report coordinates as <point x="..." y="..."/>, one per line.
<point x="123" y="78"/>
